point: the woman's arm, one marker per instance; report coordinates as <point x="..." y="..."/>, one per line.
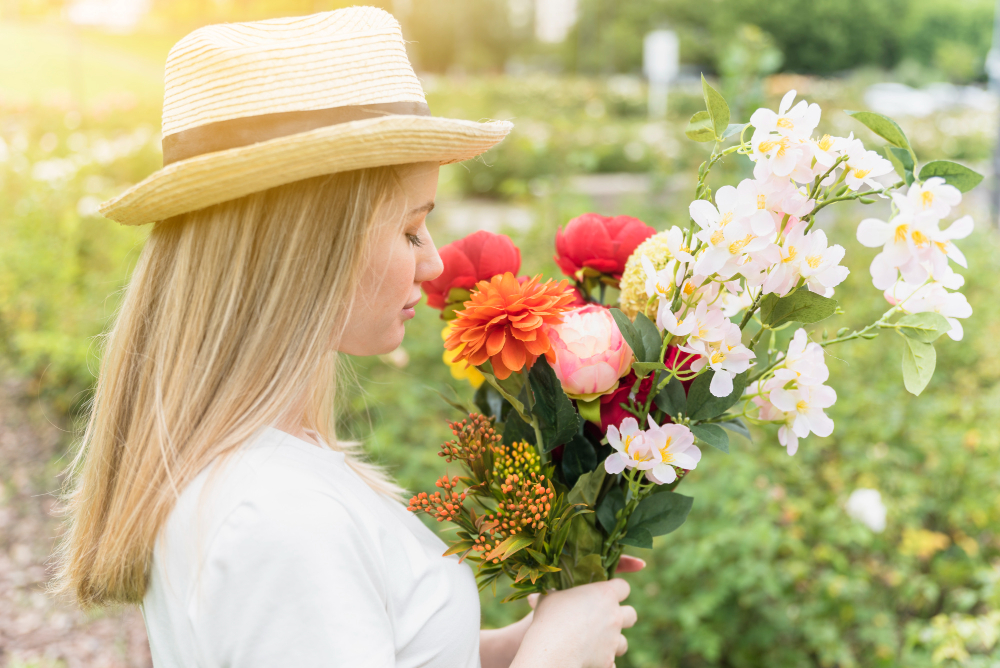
<point x="497" y="647"/>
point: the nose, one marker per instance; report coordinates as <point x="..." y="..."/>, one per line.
<point x="429" y="263"/>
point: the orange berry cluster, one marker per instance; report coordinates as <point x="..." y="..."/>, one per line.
<point x="519" y="459"/>
<point x="526" y="507"/>
<point x="475" y="437"/>
<point x="443" y="507"/>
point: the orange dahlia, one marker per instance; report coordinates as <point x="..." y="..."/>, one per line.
<point x="503" y="322"/>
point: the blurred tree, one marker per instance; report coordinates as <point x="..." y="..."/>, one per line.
<point x="816" y="36"/>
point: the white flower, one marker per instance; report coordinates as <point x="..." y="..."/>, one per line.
<point x="922" y="298"/>
<point x="703" y="323"/>
<point x="678" y="450"/>
<point x="863" y="166"/>
<point x="934" y="197"/>
<point x="763" y="199"/>
<point x="634" y="448"/>
<point x="820" y="264"/>
<point x="725" y="247"/>
<point x="655" y="451"/>
<point x="727" y="357"/>
<point x="805" y="362"/>
<point x="774" y="154"/>
<point x="803" y="408"/>
<point x="796" y="122"/>
<point x="865" y="505"/>
<point x="728" y="206"/>
<point x="658" y="282"/>
<point x="913" y="244"/>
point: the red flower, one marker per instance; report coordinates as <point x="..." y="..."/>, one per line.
<point x="601" y="243"/>
<point x="611" y="411"/>
<point x="477" y="257"/>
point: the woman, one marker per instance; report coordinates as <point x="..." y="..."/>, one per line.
<point x="300" y="164"/>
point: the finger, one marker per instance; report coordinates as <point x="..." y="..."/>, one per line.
<point x="533" y="600"/>
<point x="629" y="616"/>
<point x="629" y="564"/>
<point x="620" y="588"/>
<point x="622" y="646"/>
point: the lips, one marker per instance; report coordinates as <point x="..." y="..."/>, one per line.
<point x="412" y="304"/>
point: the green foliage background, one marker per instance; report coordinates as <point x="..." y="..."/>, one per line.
<point x="769" y="570"/>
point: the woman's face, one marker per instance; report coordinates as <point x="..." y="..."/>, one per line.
<point x="402" y="256"/>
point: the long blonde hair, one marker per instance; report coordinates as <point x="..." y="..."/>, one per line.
<point x="227" y="320"/>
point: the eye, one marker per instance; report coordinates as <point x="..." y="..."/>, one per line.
<point x="414" y="239"/>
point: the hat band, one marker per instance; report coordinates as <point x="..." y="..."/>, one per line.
<point x="237" y="132"/>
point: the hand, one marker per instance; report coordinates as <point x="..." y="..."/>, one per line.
<point x="578" y="628"/>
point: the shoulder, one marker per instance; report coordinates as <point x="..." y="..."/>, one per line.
<point x="277" y="500"/>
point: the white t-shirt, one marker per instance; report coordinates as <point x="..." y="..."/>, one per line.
<point x="290" y="559"/>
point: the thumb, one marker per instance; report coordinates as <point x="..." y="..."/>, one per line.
<point x="533" y="600"/>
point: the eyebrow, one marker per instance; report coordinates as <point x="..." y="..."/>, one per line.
<point x="426" y="208"/>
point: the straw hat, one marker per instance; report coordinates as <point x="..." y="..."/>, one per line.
<point x="251" y="106"/>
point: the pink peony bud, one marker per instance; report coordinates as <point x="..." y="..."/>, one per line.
<point x="588" y="352"/>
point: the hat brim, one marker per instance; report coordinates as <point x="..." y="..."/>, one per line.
<point x="195" y="183"/>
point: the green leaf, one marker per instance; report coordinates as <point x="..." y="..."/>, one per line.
<point x="713" y="435"/>
<point x="700" y="127"/>
<point x="579" y="457"/>
<point x="734" y="129"/>
<point x="629" y="332"/>
<point x="515" y="429"/>
<point x="703" y="405"/>
<point x="919" y="359"/>
<point x="510" y="547"/>
<point x="884" y="127"/>
<point x="587" y="487"/>
<point x="612" y="502"/>
<point x="557" y="419"/>
<point x="659" y="514"/>
<point x="800" y="306"/>
<point x="643" y="369"/>
<point x="672" y="399"/>
<point x="737" y="426"/>
<point x="589" y="569"/>
<point x="901" y="161"/>
<point x="953" y="173"/>
<point x="718" y="110"/>
<point x="637" y="537"/>
<point x="924" y="327"/>
<point x="490" y="403"/>
<point x="652" y="341"/>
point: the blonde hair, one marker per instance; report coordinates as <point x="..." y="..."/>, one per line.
<point x="229" y="317"/>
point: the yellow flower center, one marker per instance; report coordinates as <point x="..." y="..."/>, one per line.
<point x="766" y="146"/>
<point x="814" y="260"/>
<point x="785" y="122"/>
<point x="783" y="145"/>
<point x="718" y="356"/>
<point x="737" y="246"/>
<point x="919" y="238"/>
<point x="626" y="442"/>
<point x="792" y="252"/>
<point x="942" y="246"/>
<point x="688" y="288"/>
<point x="901" y="232"/>
<point x="826" y="143"/>
<point x="726" y="219"/>
<point x="761" y="201"/>
<point x="662" y="290"/>
<point x="926" y="199"/>
<point x="717" y="237"/>
<point x="667" y="457"/>
<point x="801" y="406"/>
<point x="860" y="173"/>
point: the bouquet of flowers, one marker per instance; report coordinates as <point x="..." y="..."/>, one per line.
<point x="587" y="417"/>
